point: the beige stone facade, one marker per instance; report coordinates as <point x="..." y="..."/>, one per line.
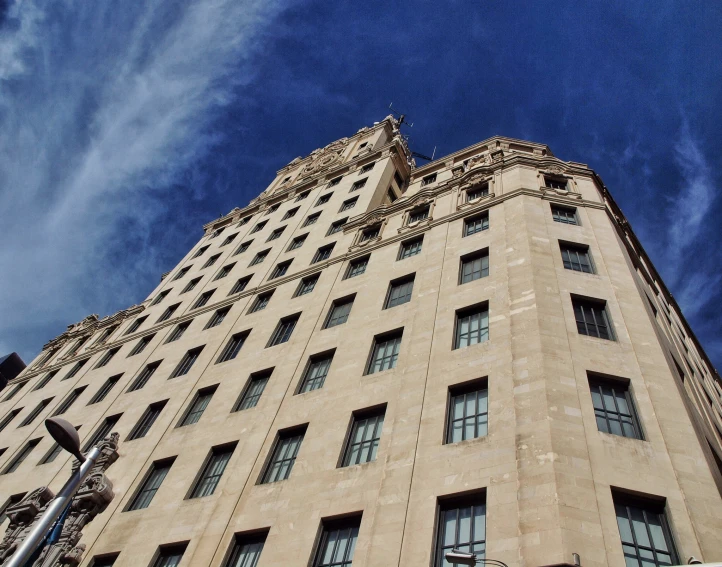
<point x="548" y="477"/>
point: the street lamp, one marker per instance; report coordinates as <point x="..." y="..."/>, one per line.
<point x="66" y="436"/>
<point x="463" y="558"/>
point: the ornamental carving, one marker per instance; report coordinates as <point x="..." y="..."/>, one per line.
<point x="92" y="498"/>
<point x="326" y="157"/>
<point x="91" y="324"/>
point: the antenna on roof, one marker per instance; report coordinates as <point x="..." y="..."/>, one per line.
<point x="401" y="118"/>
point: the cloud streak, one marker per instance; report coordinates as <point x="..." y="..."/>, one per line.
<point x="103" y="107"/>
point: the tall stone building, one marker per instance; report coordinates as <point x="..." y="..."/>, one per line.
<point x="378" y="362"/>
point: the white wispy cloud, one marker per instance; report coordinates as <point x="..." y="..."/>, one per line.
<point x="102" y="106"/>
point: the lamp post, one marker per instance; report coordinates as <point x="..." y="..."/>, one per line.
<point x="67" y="437"/>
<point x="463" y="558"/>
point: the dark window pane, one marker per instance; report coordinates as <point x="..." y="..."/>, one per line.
<point x="476" y="224"/>
<point x="212" y="472"/>
<point x="338" y="543"/>
<point x="144" y="376"/>
<point x="472" y="327"/>
<point x="364" y="440"/>
<point x="339" y="313"/>
<point x="147" y="420"/>
<point x="151" y="485"/>
<point x="461" y="527"/>
<point x="252" y="393"/>
<point x="399" y="292"/>
<point x="198" y="406"/>
<point x="384" y="354"/>
<point x="409" y="249"/>
<point x="316" y="373"/>
<point x="233" y="347"/>
<point x="283" y="458"/>
<point x="468" y="415"/>
<point x="283" y="331"/>
<point x="591" y="318"/>
<point x="564" y="215"/>
<point x="645" y="535"/>
<point x="613" y="408"/>
<point x="474" y="267"/>
<point x="246" y="550"/>
<point x="576" y="258"/>
<point x="187" y="362"/>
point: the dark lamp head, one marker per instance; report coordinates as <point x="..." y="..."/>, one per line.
<point x="65" y="435"/>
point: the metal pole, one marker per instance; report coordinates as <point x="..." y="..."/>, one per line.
<point x="33" y="540"/>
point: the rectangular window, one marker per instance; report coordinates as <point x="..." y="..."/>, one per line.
<point x="240" y="285"/>
<point x="243" y="247"/>
<point x="468" y="415"/>
<point x="399" y="291"/>
<point x="614" y="408"/>
<point x="21" y="456"/>
<point x="283" y="331"/>
<point x="477" y="192"/>
<point x="397" y="179"/>
<point x="275" y="234"/>
<point x="44" y="380"/>
<point x="76" y="347"/>
<point x="168" y="313"/>
<point x="218" y="232"/>
<point x="644" y="531"/>
<point x="555" y="183"/>
<point x="391" y="195"/>
<point x="316" y="372"/>
<point x="198" y="406"/>
<point x="253" y="390"/>
<point x="335" y="181"/>
<point x="52" y="454"/>
<point x="385" y="352"/>
<point x="244" y="221"/>
<point x="191" y="285"/>
<point x="230" y="238"/>
<point x="182" y="273"/>
<point x="147" y="420"/>
<point x="366" y="168"/>
<point x="135" y="325"/>
<point x="261" y="302"/>
<point x="104" y="560"/>
<point x="358" y="185"/>
<point x="106" y="358"/>
<point x="246" y="550"/>
<point x="141" y="344"/>
<point x="187" y="362"/>
<point x="576" y="257"/>
<point x="462" y="526"/>
<point x="306" y="285"/>
<point x="14" y="391"/>
<point x="160" y="297"/>
<point x="418" y="215"/>
<point x="323" y="199"/>
<point x="106" y="335"/>
<point x="258" y="227"/>
<point x="474" y="266"/>
<point x="170" y="556"/>
<point x="363" y="441"/>
<point x="217" y="318"/>
<point x="272" y="209"/>
<point x="14" y="499"/>
<point x="290" y="213"/>
<point x="9" y="417"/>
<point x="212" y="260"/>
<point x="224" y="271"/>
<point x="476" y="224"/>
<point x="155" y="477"/>
<point x="37" y="410"/>
<point x="213" y="471"/>
<point x="323" y="253"/>
<point x="144" y="376"/>
<point x="339" y="312"/>
<point x="302" y="196"/>
<point x="280" y="269"/>
<point x="472" y="326"/>
<point x="200" y="251"/>
<point x="311" y="219"/>
<point x="370" y="233"/>
<point x="69" y="401"/>
<point x="564" y="215"/>
<point x="337" y="226"/>
<point x="338" y="542"/>
<point x="591" y="317"/>
<point x="348" y="204"/>
<point x="102" y="432"/>
<point x="105" y="389"/>
<point x="428" y="180"/>
<point x="75" y="369"/>
<point x="297" y="242"/>
<point x="284" y="454"/>
<point x="258" y="258"/>
<point x="410" y="248"/>
<point x="357" y="267"/>
<point x="233" y="347"/>
<point x="178" y="331"/>
<point x="203" y="299"/>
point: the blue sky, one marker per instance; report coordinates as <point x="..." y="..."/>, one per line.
<point x="124" y="126"/>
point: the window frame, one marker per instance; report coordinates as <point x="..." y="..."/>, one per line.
<point x="159" y="464"/>
<point x="377" y="339"/>
<point x="350" y="523"/>
<point x="464" y="389"/>
<point x="320" y="255"/>
<point x="201" y="392"/>
<point x="357" y="417"/>
<point x="254" y="377"/>
<point x="397" y="282"/>
<point x="353" y="264"/>
<point x="146" y="421"/>
<point x="471" y="257"/>
<point x="297" y="242"/>
<point x="579" y="249"/>
<point x="311" y="280"/>
<point x="277" y="333"/>
<point x="193" y="352"/>
<point x="556" y="217"/>
<point x="335" y="304"/>
<point x="271" y="460"/>
<point x="621" y="385"/>
<point x="590" y="303"/>
<point x="482" y="306"/>
<point x="470" y="499"/>
<point x="225" y="448"/>
<point x="233" y="346"/>
<point x="320" y="357"/>
<point x="482" y="216"/>
<point x="259" y="300"/>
